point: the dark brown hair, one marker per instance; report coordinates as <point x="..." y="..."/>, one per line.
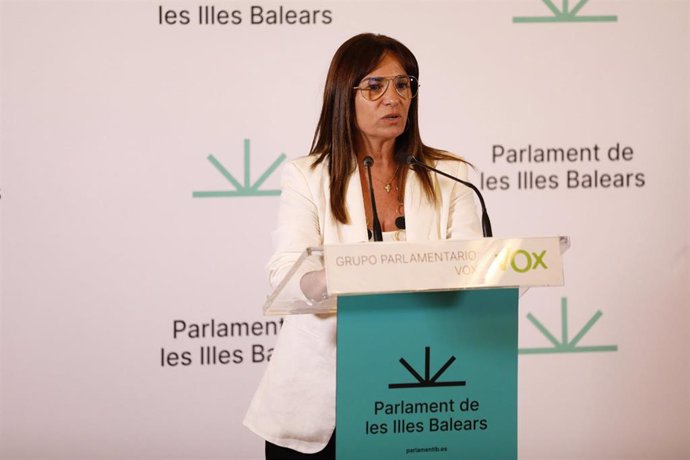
<point x="336" y="131"/>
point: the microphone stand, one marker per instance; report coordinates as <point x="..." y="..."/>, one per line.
<point x="376" y="224"/>
<point x="486" y="223"/>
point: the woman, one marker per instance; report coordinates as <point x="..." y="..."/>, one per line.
<point x="369" y="109"/>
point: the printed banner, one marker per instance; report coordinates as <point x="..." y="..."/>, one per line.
<point x="140" y="160"/>
<point x="428" y="376"/>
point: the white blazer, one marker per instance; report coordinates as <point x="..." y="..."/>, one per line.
<point x="294" y="405"/>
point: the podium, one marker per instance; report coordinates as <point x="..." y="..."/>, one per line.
<point x="427" y="341"/>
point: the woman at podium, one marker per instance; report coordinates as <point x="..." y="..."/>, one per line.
<point x="369" y="124"/>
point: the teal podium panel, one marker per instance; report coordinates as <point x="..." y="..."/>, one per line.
<point x="427" y="376"/>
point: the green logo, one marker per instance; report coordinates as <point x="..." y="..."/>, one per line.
<point x="565" y="14"/>
<point x="566" y="345"/>
<point x="521" y="261"/>
<point x="246" y="189"/>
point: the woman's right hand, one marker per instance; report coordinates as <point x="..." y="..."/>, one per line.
<point x="313" y="285"/>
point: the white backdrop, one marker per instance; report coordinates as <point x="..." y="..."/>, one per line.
<point x="113" y="123"/>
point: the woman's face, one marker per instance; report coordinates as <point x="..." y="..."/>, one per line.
<point x="385" y="118"/>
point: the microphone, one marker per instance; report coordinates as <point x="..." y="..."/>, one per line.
<point x="376" y="230"/>
<point x="486" y="223"/>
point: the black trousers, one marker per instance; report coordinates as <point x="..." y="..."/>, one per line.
<point x="274" y="452"/>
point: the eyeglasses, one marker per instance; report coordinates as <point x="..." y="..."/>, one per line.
<point x="373" y="88"/>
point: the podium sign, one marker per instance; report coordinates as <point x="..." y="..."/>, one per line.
<point x="366" y="268"/>
<point x="445" y="264"/>
<point x="428" y="375"/>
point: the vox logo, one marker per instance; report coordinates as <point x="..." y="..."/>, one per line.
<point x="521" y="261"/>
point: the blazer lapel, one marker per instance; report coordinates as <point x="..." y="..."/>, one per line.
<point x="421" y="218"/>
<point x="356" y="230"/>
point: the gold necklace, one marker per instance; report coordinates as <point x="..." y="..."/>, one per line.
<point x="388" y="186"/>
